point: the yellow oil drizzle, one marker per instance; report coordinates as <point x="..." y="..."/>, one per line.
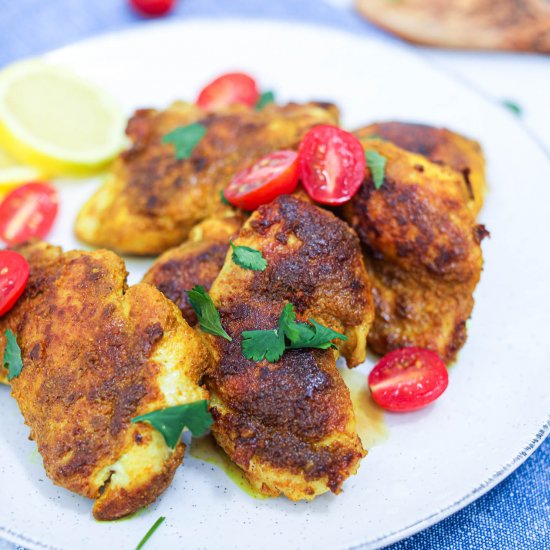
<point x="369" y="417"/>
<point x="207" y="450"/>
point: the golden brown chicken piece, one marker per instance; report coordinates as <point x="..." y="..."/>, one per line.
<point x="95" y="355"/>
<point x="441" y="146"/>
<point x="422" y="251"/>
<point x="290" y="425"/>
<point x="151" y="200"/>
<point x="197" y="261"/>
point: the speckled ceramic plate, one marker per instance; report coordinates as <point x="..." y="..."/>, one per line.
<point x="428" y="464"/>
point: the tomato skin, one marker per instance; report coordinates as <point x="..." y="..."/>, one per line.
<point x="229" y="89"/>
<point x="28" y="211"/>
<point x="152" y="8"/>
<point x="408" y="379"/>
<point x="14" y="274"/>
<point x="273" y="175"/>
<point x="332" y="164"/>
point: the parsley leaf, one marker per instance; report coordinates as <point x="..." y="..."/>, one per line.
<point x="185" y="139"/>
<point x="248" y="258"/>
<point x="223" y="199"/>
<point x="150" y="533"/>
<point x="266" y="98"/>
<point x="260" y="344"/>
<point x="171" y="421"/>
<point x="12" y="356"/>
<point x="377" y="165"/>
<point x="209" y="318"/>
<point x="513" y="107"/>
<point x="317" y="337"/>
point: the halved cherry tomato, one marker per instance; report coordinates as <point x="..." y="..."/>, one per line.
<point x="152" y="7"/>
<point x="28" y="211"/>
<point x="14" y="274"/>
<point x="273" y="175"/>
<point x="408" y="379"/>
<point x="229" y="89"/>
<point x="332" y="164"/>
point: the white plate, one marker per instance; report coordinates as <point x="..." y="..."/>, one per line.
<point x="435" y="461"/>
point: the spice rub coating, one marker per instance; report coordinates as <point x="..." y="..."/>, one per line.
<point x="151" y="200"/>
<point x="96" y="354"/>
<point x="422" y="251"/>
<point x="290" y="425"/>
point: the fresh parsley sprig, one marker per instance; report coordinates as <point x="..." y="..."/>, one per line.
<point x="377" y="166"/>
<point x="171" y="421"/>
<point x="266" y="98"/>
<point x="209" y="318"/>
<point x="185" y="139"/>
<point x="271" y="344"/>
<point x="12" y="356"/>
<point x="248" y="258"/>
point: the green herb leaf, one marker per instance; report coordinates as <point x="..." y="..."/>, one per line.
<point x="377" y="165"/>
<point x="171" y="422"/>
<point x="513" y="107"/>
<point x="223" y="199"/>
<point x="263" y="344"/>
<point x="185" y="139"/>
<point x="317" y="337"/>
<point x="150" y="533"/>
<point x="266" y="98"/>
<point x="248" y="258"/>
<point x="12" y="356"/>
<point x="209" y="318"/>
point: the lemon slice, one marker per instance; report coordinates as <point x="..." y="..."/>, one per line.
<point x="13" y="174"/>
<point x="57" y="122"/>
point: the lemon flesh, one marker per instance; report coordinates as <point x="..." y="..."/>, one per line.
<point x="13" y="174"/>
<point x="57" y="122"/>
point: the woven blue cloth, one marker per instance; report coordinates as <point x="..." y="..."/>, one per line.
<point x="513" y="515"/>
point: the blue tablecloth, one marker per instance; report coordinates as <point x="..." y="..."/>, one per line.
<point x="516" y="514"/>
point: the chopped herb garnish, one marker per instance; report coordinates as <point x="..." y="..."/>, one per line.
<point x="223" y="199"/>
<point x="185" y="139"/>
<point x="171" y="422"/>
<point x="376" y="136"/>
<point x="12" y="356"/>
<point x="271" y="344"/>
<point x="377" y="166"/>
<point x="266" y="98"/>
<point x="150" y="533"/>
<point x="209" y="318"/>
<point x="248" y="258"/>
<point x="512" y="106"/>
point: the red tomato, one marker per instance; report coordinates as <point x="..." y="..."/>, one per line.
<point x="28" y="211"/>
<point x="14" y="274"/>
<point x="229" y="89"/>
<point x="273" y="175"/>
<point x="332" y="164"/>
<point x="408" y="379"/>
<point x="152" y="7"/>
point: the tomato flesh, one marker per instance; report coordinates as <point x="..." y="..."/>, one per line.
<point x="229" y="89"/>
<point x="273" y="175"/>
<point x="14" y="274"/>
<point x="152" y="8"/>
<point x="408" y="379"/>
<point x="28" y="211"/>
<point x="332" y="164"/>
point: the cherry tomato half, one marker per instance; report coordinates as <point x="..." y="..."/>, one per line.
<point x="14" y="274"/>
<point x="408" y="379"/>
<point x="229" y="89"/>
<point x="28" y="211"/>
<point x="332" y="164"/>
<point x="273" y="175"/>
<point x="151" y="8"/>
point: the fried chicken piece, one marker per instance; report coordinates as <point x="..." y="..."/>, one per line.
<point x="95" y="355"/>
<point x="441" y="146"/>
<point x="290" y="425"/>
<point x="422" y="252"/>
<point x="151" y="200"/>
<point x="197" y="261"/>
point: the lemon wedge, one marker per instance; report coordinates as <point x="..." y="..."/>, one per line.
<point x="13" y="174"/>
<point x="57" y="122"/>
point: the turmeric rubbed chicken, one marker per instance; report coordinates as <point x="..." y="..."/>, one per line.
<point x="151" y="200"/>
<point x="96" y="354"/>
<point x="290" y="424"/>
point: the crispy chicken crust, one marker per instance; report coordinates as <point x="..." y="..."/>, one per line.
<point x="151" y="200"/>
<point x="290" y="425"/>
<point x="422" y="251"/>
<point x="96" y="354"/>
